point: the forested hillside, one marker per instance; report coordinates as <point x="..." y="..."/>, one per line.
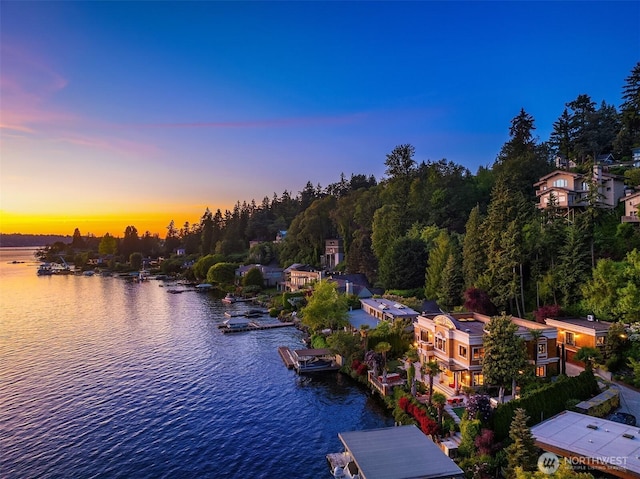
<point x="436" y="230"/>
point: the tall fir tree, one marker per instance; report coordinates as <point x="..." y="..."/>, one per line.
<point x="522" y="452"/>
<point x="473" y="251"/>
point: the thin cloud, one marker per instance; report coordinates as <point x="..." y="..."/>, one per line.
<point x="265" y="123"/>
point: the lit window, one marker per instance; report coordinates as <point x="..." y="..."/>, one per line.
<point x="478" y="379"/>
<point x="477" y="354"/>
<point x="600" y="340"/>
<point x="462" y="351"/>
<point x="541" y="371"/>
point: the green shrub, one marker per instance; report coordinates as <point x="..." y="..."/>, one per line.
<point x="545" y="402"/>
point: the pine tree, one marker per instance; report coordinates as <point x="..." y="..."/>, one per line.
<point x="438" y="258"/>
<point x="450" y="291"/>
<point x="522" y="452"/>
<point x="473" y="252"/>
<point x="629" y="134"/>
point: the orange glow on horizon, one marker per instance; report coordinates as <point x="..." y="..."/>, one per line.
<point x="96" y="224"/>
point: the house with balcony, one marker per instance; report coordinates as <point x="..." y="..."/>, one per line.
<point x="631" y="205"/>
<point x="575" y="333"/>
<point x="456" y="342"/>
<point x="300" y="276"/>
<point x="569" y="191"/>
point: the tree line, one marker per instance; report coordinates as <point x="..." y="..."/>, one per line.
<point x="435" y="230"/>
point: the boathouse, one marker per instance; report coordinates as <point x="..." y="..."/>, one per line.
<point x="401" y="452"/>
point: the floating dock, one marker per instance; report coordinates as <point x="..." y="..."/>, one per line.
<point x="252" y="326"/>
<point x="287" y="357"/>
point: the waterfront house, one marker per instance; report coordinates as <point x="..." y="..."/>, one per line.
<point x="456" y="342"/>
<point x="575" y="333"/>
<point x="272" y="275"/>
<point x="402" y="452"/>
<point x="386" y="310"/>
<point x="299" y="276"/>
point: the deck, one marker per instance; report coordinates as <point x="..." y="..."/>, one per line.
<point x="253" y="326"/>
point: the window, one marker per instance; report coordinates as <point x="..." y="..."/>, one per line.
<point x="477" y="354"/>
<point x="462" y="351"/>
<point x="600" y="341"/>
<point x="424" y="336"/>
<point x="441" y="344"/>
<point x="562" y="198"/>
<point x="542" y="348"/>
<point x="478" y="379"/>
<point x="541" y="371"/>
<point x="561" y="183"/>
<point x="569" y="338"/>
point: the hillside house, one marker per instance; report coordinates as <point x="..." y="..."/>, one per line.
<point x="631" y="204"/>
<point x="571" y="190"/>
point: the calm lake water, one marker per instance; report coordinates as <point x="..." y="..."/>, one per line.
<point x="102" y="378"/>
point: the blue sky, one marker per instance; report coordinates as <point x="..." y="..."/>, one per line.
<point x="158" y="109"/>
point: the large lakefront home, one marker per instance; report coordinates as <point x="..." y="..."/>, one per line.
<point x="456" y="342"/>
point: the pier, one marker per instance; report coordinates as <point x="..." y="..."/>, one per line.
<point x="252" y="326"/>
<point x="308" y="360"/>
<point x="287" y="357"/>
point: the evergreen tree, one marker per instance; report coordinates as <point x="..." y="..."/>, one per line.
<point x="473" y="252"/>
<point x="504" y="353"/>
<point x="438" y="257"/>
<point x="521" y="161"/>
<point x="450" y="291"/>
<point x="582" y="125"/>
<point x="573" y="265"/>
<point x="403" y="265"/>
<point x="629" y="134"/>
<point x="560" y="138"/>
<point x="522" y="452"/>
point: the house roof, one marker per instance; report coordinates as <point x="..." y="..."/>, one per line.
<point x="392" y="308"/>
<point x="578" y="435"/>
<point x="398" y="453"/>
<point x="555" y="173"/>
<point x="582" y="323"/>
<point x="358" y="317"/>
<point x="632" y="195"/>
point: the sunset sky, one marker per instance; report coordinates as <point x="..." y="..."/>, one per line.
<point x="139" y="113"/>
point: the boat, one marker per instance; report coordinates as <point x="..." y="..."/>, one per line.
<point x="204" y="287"/>
<point x="45" y="269"/>
<point x="254" y="313"/>
<point x="229" y="314"/>
<point x="229" y="299"/>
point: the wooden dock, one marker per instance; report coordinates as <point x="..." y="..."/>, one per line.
<point x="253" y="326"/>
<point x="287" y="357"/>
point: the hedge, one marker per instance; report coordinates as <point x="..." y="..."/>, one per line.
<point x="545" y="402"/>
